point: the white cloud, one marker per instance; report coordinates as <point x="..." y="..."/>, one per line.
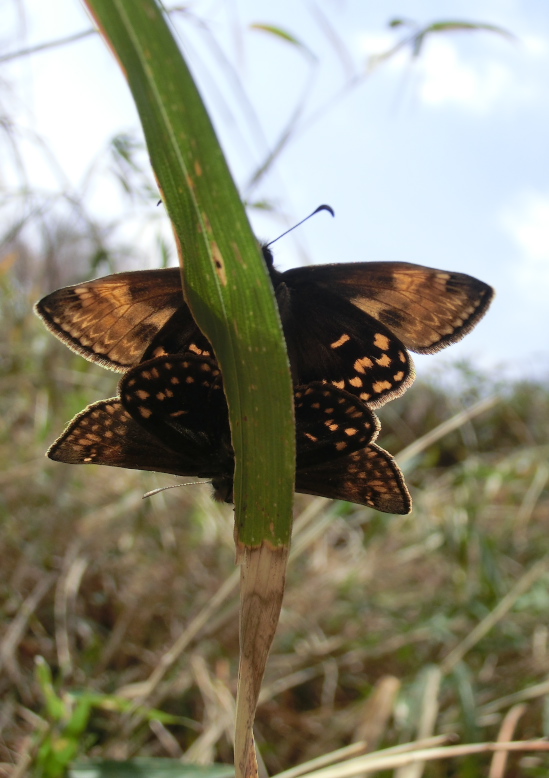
<point x="450" y="71"/>
<point x="526" y="221"/>
<point x="447" y="78"/>
<point x="535" y="46"/>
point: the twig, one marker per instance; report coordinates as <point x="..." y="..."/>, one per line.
<point x="326" y="759"/>
<point x="371" y="763"/>
<point x="49" y="45"/>
<point x="506" y="731"/>
<point x="530" y="693"/>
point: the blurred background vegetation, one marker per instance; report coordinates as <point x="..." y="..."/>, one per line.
<point x="118" y="616"/>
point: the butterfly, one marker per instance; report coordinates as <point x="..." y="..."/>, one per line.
<point x="171" y="416"/>
<point x="349" y="324"/>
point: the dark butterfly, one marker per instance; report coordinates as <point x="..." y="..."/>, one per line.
<point x="350" y="324"/>
<point x="171" y="416"/>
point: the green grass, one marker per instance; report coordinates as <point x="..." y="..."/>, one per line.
<point x="103" y="584"/>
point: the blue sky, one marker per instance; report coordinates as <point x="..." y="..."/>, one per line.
<point x="441" y="161"/>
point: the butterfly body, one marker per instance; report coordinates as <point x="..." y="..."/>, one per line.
<point x="351" y="324"/>
<point x="171" y="417"/>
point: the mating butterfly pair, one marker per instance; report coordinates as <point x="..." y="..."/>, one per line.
<point x="171" y="416"/>
<point x="348" y="324"/>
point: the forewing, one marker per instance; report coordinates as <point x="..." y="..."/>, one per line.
<point x="426" y="308"/>
<point x="330" y="339"/>
<point x="368" y="477"/>
<point x="115" y="320"/>
<point x="330" y="423"/>
<point x="105" y="434"/>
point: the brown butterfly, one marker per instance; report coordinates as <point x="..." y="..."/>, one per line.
<point x="171" y="416"/>
<point x="350" y="324"/>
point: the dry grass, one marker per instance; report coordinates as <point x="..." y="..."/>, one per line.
<point x="428" y="628"/>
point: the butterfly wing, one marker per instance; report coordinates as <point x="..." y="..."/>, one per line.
<point x="179" y="335"/>
<point x="330" y="339"/>
<point x="349" y="324"/>
<point x="104" y="433"/>
<point x="427" y="309"/>
<point x="179" y="399"/>
<point x="171" y="417"/>
<point x="123" y="319"/>
<point x="368" y="477"/>
<point x="330" y="423"/>
<point x="116" y="320"/>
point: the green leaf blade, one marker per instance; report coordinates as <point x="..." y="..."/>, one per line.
<point x="224" y="277"/>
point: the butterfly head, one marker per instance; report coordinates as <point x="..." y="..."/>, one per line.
<point x="268" y="257"/>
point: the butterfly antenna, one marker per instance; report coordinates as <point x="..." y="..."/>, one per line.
<point x="317" y="210"/>
<point x="172" y="486"/>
